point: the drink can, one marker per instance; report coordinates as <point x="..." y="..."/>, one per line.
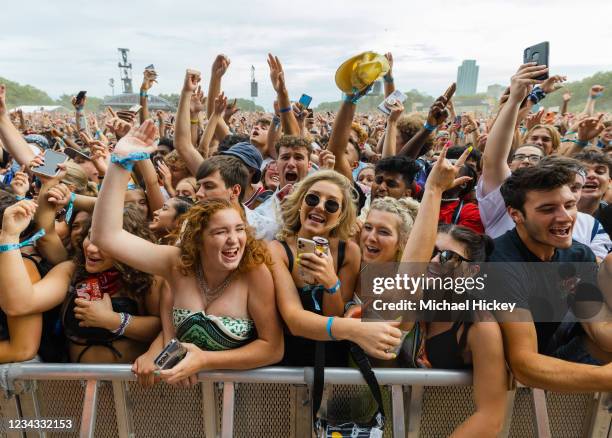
<point x="89" y="289"/>
<point x="321" y="245"/>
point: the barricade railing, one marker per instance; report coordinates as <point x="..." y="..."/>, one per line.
<point x="105" y="400"/>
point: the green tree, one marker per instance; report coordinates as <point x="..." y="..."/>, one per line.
<point x="92" y="104"/>
<point x="17" y="95"/>
<point x="580" y="91"/>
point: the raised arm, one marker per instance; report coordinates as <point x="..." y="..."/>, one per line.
<point x="436" y="116"/>
<point x="499" y="141"/>
<point x="11" y="138"/>
<point x="107" y="227"/>
<point x="389" y="146"/>
<point x="155" y="198"/>
<point x="149" y="78"/>
<point x="17" y="294"/>
<point x="594" y="93"/>
<point x="209" y="132"/>
<point x="277" y="76"/>
<point x="340" y="137"/>
<point x="218" y="69"/>
<point x="388" y="78"/>
<point x="50" y="245"/>
<point x="182" y="135"/>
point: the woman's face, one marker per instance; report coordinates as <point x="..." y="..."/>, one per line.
<point x="320" y="218"/>
<point x="78" y="223"/>
<point x="164" y="219"/>
<point x="379" y="239"/>
<point x="271" y="180"/>
<point x="185" y="189"/>
<point x="138" y="198"/>
<point x="224" y="240"/>
<point x="454" y="266"/>
<point x="366" y="176"/>
<point x="95" y="259"/>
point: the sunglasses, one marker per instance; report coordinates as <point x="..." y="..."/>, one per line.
<point x="447" y="256"/>
<point x="391" y="183"/>
<point x="532" y="158"/>
<point x="313" y="200"/>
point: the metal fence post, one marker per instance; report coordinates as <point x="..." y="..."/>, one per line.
<point x="505" y="432"/>
<point x="227" y="421"/>
<point x="416" y="411"/>
<point x="601" y="420"/>
<point x="541" y="413"/>
<point x="397" y="406"/>
<point x="209" y="407"/>
<point x="122" y="411"/>
<point x="90" y="402"/>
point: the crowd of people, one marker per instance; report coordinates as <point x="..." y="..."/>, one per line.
<point x="189" y="225"/>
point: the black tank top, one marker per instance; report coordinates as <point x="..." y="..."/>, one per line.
<point x="443" y="349"/>
<point x="301" y="351"/>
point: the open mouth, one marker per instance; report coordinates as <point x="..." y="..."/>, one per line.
<point x="291" y="176"/>
<point x="590" y="186"/>
<point x="275" y="178"/>
<point x="230" y="254"/>
<point x="560" y="231"/>
<point x="316" y="218"/>
<point x="372" y="250"/>
<point x="92" y="260"/>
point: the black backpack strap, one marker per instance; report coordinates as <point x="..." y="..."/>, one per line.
<point x="289" y="254"/>
<point x="362" y="361"/>
<point x="319" y="380"/>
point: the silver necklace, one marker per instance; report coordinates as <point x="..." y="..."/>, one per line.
<point x="208" y="293"/>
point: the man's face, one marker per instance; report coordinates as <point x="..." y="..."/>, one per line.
<point x="606" y="136"/>
<point x="597" y="181"/>
<point x="213" y="187"/>
<point x="389" y="184"/>
<point x="292" y="165"/>
<point x="525" y="156"/>
<point x="351" y="154"/>
<point x="549" y="216"/>
<point x="259" y="134"/>
<point x="542" y="138"/>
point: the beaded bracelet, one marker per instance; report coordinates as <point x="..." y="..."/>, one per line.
<point x="127" y="162"/>
<point x="27" y="242"/>
<point x="330" y="321"/>
<point x="125" y="321"/>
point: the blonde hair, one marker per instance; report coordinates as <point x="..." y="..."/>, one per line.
<point x="77" y="178"/>
<point x="405" y="208"/>
<point x="552" y="131"/>
<point x="293" y="203"/>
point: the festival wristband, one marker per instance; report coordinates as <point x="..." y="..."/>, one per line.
<point x="143" y="94"/>
<point x="12" y="246"/>
<point x="70" y="207"/>
<point x="127" y="162"/>
<point x="195" y="122"/>
<point x="125" y="321"/>
<point x="388" y="79"/>
<point x="581" y="143"/>
<point x="348" y="305"/>
<point x="536" y="95"/>
<point x="332" y="290"/>
<point x="285" y="110"/>
<point x="330" y="321"/>
<point x="429" y="127"/>
<point x="597" y="95"/>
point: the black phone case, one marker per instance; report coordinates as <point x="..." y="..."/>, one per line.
<point x="537" y="53"/>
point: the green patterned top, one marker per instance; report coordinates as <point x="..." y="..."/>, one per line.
<point x="212" y="333"/>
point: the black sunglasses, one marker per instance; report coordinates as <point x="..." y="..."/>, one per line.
<point x="313" y="200"/>
<point x="447" y="255"/>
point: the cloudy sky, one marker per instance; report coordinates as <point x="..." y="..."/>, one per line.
<point x="65" y="46"/>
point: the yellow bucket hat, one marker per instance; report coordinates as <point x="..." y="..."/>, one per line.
<point x="361" y="71"/>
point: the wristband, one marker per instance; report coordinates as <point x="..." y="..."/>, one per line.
<point x="127" y="162"/>
<point x="285" y="110"/>
<point x="70" y="207"/>
<point x="276" y="121"/>
<point x="330" y="321"/>
<point x="596" y="95"/>
<point x="348" y="305"/>
<point x="195" y="122"/>
<point x="388" y="79"/>
<point x="581" y="143"/>
<point x="125" y="321"/>
<point x="20" y="198"/>
<point x="143" y="94"/>
<point x="536" y="95"/>
<point x="429" y="127"/>
<point x="332" y="290"/>
<point x="12" y="246"/>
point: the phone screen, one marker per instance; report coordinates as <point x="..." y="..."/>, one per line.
<point x="52" y="159"/>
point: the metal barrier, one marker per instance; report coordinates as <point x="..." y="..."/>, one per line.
<point x="105" y="400"/>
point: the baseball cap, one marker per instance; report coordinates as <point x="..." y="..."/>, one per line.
<point x="249" y="155"/>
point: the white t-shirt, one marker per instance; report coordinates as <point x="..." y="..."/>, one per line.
<point x="496" y="220"/>
<point x="265" y="228"/>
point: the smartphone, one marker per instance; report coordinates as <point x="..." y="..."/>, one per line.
<point x="150" y="67"/>
<point x="539" y="55"/>
<point x="135" y="108"/>
<point x="306" y="246"/>
<point x="80" y="97"/>
<point x="74" y="154"/>
<point x="282" y="193"/>
<point x="305" y="101"/>
<point x="52" y="159"/>
<point x="172" y="354"/>
<point x="310" y="114"/>
<point x="390" y="100"/>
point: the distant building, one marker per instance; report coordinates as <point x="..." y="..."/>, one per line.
<point x="126" y="100"/>
<point x="467" y="78"/>
<point x="495" y="91"/>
